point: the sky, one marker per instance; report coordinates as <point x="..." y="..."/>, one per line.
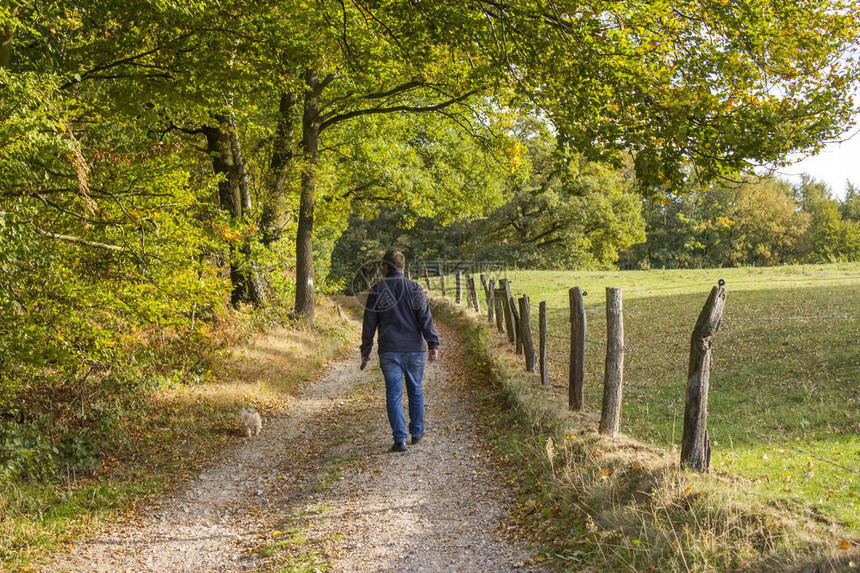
<point x="835" y="164"/>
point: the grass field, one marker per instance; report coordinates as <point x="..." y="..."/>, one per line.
<point x="784" y="409"/>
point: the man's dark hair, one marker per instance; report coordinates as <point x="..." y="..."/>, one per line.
<point x="394" y="259"/>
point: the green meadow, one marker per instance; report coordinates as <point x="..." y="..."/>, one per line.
<point x="784" y="406"/>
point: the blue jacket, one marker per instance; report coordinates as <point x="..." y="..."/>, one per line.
<point x="398" y="307"/>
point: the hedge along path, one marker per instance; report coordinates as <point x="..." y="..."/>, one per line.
<point x="319" y="487"/>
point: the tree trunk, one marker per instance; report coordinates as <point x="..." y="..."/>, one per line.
<point x="311" y="124"/>
<point x="247" y="285"/>
<point x="6" y="42"/>
<point x="274" y="216"/>
<point x="239" y="165"/>
<point x="219" y="149"/>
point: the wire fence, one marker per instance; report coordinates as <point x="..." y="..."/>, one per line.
<point x="594" y="310"/>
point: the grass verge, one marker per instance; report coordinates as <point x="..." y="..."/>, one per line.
<point x="594" y="504"/>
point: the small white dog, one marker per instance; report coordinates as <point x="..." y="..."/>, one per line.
<point x="251" y="421"/>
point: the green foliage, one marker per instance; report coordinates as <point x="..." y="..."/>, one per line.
<point x="850" y="207"/>
<point x="419" y="188"/>
<point x="758" y="222"/>
<point x="830" y="238"/>
<point x="560" y="211"/>
<point x="568" y="214"/>
<point x="430" y="166"/>
<point x="722" y="85"/>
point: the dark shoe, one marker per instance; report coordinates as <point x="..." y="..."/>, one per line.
<point x="416" y="439"/>
<point x="398" y="447"/>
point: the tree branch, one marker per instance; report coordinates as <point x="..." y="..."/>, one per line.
<point x="394" y="109"/>
<point x="81" y="241"/>
<point x="91" y="74"/>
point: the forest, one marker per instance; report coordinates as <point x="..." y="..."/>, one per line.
<point x="164" y="164"/>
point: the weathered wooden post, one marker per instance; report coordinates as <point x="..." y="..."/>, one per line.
<point x="473" y="289"/>
<point x="526" y="333"/>
<point x="577" y="349"/>
<point x="470" y="299"/>
<point x="510" y="325"/>
<point x="610" y="412"/>
<point x="544" y="376"/>
<point x="470" y="292"/>
<point x="498" y="297"/>
<point x="426" y="276"/>
<point x="485" y="286"/>
<point x="442" y="279"/>
<point x="695" y="445"/>
<point x="515" y="314"/>
<point x="491" y="301"/>
<point x="459" y="287"/>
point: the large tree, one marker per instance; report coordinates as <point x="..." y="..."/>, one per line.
<point x="273" y="86"/>
<point x="721" y="86"/>
<point x="755" y="222"/>
<point x="565" y="212"/>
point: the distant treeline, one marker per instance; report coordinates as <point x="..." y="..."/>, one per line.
<point x="757" y="223"/>
<point x="590" y="222"/>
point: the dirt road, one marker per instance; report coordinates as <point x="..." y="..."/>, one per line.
<point x="318" y="489"/>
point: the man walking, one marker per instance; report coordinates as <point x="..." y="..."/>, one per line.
<point x="398" y="308"/>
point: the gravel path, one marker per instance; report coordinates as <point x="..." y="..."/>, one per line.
<point x="319" y="486"/>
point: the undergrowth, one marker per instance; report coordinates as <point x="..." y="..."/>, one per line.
<point x="75" y="457"/>
<point x="595" y="504"/>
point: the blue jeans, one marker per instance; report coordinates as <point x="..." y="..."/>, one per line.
<point x="395" y="367"/>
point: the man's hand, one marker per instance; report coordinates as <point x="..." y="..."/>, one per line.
<point x="433" y="354"/>
<point x="364" y="361"/>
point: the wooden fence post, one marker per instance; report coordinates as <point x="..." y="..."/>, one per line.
<point x="510" y="325"/>
<point x="498" y="297"/>
<point x="544" y="377"/>
<point x="695" y="445"/>
<point x="610" y="412"/>
<point x="515" y="314"/>
<point x="459" y="287"/>
<point x="470" y="300"/>
<point x="473" y="289"/>
<point x="469" y="286"/>
<point x="577" y="349"/>
<point x="526" y="333"/>
<point x="426" y="276"/>
<point x="442" y="280"/>
<point x="491" y="301"/>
